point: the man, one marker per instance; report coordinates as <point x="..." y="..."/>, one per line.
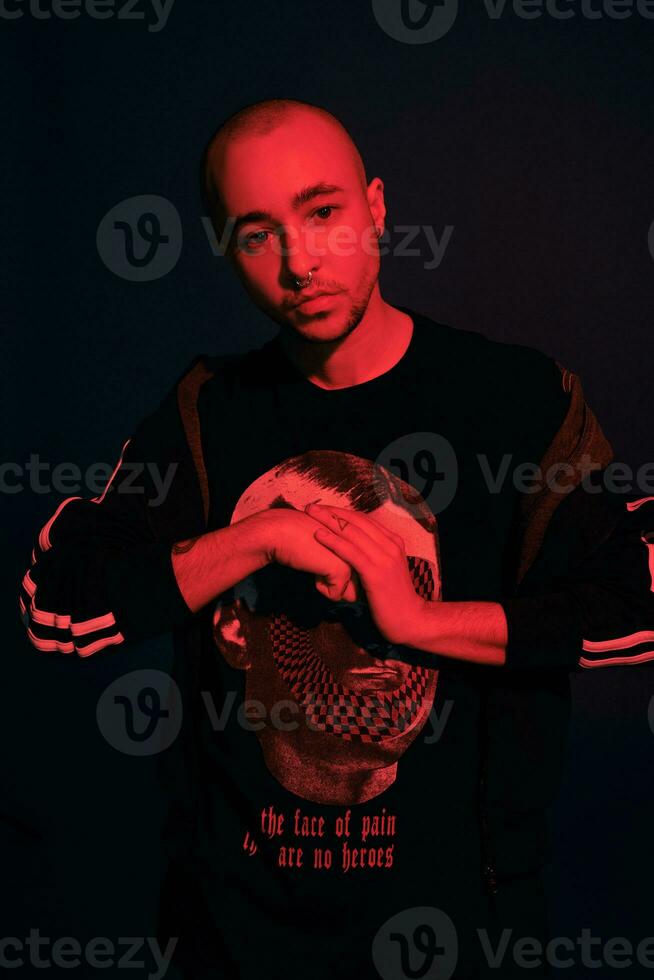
<point x="272" y="872"/>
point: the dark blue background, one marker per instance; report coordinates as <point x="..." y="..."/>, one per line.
<point x="533" y="138"/>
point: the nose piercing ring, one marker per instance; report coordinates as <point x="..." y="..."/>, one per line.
<point x="301" y="283"/>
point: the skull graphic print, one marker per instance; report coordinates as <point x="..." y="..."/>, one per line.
<point x="342" y="705"/>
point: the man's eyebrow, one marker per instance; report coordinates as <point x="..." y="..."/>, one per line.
<point x="302" y="196"/>
<point x="314" y="190"/>
<point x="251" y="216"/>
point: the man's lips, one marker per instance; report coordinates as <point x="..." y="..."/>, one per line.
<point x="380" y="669"/>
<point x="308" y="297"/>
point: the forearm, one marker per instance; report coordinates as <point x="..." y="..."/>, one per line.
<point x="474" y="631"/>
<point x="208" y="565"/>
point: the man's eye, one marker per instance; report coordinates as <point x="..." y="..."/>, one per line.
<point x="253" y="239"/>
<point x="320" y="213"/>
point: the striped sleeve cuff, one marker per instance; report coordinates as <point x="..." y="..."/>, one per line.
<point x="100" y="599"/>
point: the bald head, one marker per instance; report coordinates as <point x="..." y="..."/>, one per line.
<point x="303" y="121"/>
<point x="286" y="191"/>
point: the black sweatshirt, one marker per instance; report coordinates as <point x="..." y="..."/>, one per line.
<point x="309" y="799"/>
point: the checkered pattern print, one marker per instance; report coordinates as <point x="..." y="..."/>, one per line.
<point x="333" y="708"/>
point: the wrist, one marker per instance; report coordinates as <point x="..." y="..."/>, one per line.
<point x="420" y="624"/>
<point x="261" y="539"/>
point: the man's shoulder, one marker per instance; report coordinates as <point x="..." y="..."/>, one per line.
<point x="165" y="427"/>
<point x="225" y="369"/>
<point x="480" y="348"/>
<point x="486" y="363"/>
<point x="518" y="385"/>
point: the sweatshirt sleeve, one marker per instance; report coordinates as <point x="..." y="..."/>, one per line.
<point x="585" y="543"/>
<point x="101" y="571"/>
<point x="599" y="610"/>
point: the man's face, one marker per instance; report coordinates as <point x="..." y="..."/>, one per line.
<point x="347" y="694"/>
<point x="328" y="230"/>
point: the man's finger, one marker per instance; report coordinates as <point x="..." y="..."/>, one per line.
<point x="344" y="548"/>
<point x="349" y="530"/>
<point x="382" y="537"/>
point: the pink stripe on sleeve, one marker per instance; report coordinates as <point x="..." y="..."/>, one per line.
<point x="635" y="504"/>
<point x="91" y="625"/>
<point x="612" y="661"/>
<point x="98" y="500"/>
<point x="44" y="535"/>
<point x="620" y="643"/>
<point x="50" y="644"/>
<point x="99" y="644"/>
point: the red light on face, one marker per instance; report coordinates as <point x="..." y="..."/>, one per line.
<point x="317" y="304"/>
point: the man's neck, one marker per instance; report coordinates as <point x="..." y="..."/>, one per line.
<point x="378" y="342"/>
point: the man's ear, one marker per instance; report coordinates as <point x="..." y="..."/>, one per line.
<point x="376" y="203"/>
<point x="230" y="632"/>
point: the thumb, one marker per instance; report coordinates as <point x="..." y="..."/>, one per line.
<point x="350" y="594"/>
<point x="332" y="587"/>
<point x="335" y="588"/>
